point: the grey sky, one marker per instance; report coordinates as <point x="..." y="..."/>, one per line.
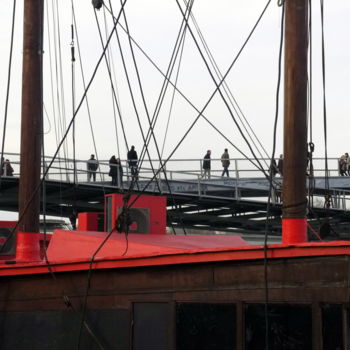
<point x="154" y="25"/>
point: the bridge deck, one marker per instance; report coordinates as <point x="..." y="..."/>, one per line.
<point x="211" y="204"/>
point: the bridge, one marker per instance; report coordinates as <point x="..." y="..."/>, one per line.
<point x="238" y="202"/>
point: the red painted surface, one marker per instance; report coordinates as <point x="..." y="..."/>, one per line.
<point x="88" y="221"/>
<point x="294" y="231"/>
<point x="9" y="225"/>
<point x="70" y="245"/>
<point x="142" y="252"/>
<point x="155" y="204"/>
<point x="28" y="246"/>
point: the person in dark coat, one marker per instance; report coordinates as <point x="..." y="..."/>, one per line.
<point x="280" y="165"/>
<point x="225" y="161"/>
<point x="119" y="173"/>
<point x="206" y="165"/>
<point x="92" y="166"/>
<point x="113" y="170"/>
<point x="273" y="168"/>
<point x="8" y="170"/>
<point x="132" y="161"/>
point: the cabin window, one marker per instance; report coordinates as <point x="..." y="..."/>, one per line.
<point x="332" y="327"/>
<point x="205" y="326"/>
<point x="151" y="326"/>
<point x="57" y="330"/>
<point x="290" y="327"/>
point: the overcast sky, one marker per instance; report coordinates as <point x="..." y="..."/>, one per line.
<point x="154" y="24"/>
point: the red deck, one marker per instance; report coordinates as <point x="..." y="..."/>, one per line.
<point x="72" y="251"/>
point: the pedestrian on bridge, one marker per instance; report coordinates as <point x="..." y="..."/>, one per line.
<point x="92" y="166"/>
<point x="8" y="170"/>
<point x="113" y="170"/>
<point x="132" y="160"/>
<point x="206" y="165"/>
<point x="225" y="161"/>
<point x="280" y="165"/>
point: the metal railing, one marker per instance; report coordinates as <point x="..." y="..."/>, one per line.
<point x="183" y="171"/>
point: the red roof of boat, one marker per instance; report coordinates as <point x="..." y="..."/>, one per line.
<point x="73" y="250"/>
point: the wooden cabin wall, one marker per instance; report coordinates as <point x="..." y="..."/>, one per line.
<point x="127" y="306"/>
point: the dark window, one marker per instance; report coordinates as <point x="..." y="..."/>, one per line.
<point x="151" y="326"/>
<point x="205" y="326"/>
<point x="290" y="327"/>
<point x="332" y="327"/>
<point x="56" y="330"/>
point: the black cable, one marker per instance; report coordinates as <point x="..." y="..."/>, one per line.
<point x="183" y="95"/>
<point x="83" y="312"/>
<point x="123" y="222"/>
<point x="84" y="86"/>
<point x="8" y="87"/>
<point x="173" y="94"/>
<point x="51" y="76"/>
<point x="170" y="68"/>
<point x="211" y="97"/>
<point x="134" y="104"/>
<point x="217" y="89"/>
<point x="110" y="78"/>
<point x="147" y="113"/>
<point x="66" y="133"/>
<point x="61" y="81"/>
<point x="324" y="98"/>
<point x="61" y="113"/>
<point x="110" y="59"/>
<point x="311" y="178"/>
<point x="272" y="164"/>
<point x="228" y="91"/>
<point x="73" y="101"/>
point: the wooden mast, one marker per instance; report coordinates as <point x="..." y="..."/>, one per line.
<point x="32" y="111"/>
<point x="294" y="225"/>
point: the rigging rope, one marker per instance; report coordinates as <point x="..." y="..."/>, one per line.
<point x="173" y="93"/>
<point x="184" y="96"/>
<point x="8" y="88"/>
<point x="116" y="101"/>
<point x="223" y="79"/>
<point x="229" y="93"/>
<point x="324" y="98"/>
<point x="110" y="79"/>
<point x="148" y="117"/>
<point x="133" y="102"/>
<point x="171" y="65"/>
<point x="272" y="164"/>
<point x="84" y="86"/>
<point x="67" y="131"/>
<point x="207" y="103"/>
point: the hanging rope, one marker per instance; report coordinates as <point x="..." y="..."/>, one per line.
<point x="218" y="85"/>
<point x="173" y="94"/>
<point x="185" y="98"/>
<point x="272" y="163"/>
<point x="67" y="131"/>
<point x="324" y="99"/>
<point x="84" y="86"/>
<point x="134" y="104"/>
<point x="205" y="106"/>
<point x="229" y="95"/>
<point x="117" y="99"/>
<point x="8" y="88"/>
<point x="171" y="65"/>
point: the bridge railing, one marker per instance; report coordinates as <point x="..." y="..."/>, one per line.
<point x="186" y="171"/>
<point x="175" y="169"/>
